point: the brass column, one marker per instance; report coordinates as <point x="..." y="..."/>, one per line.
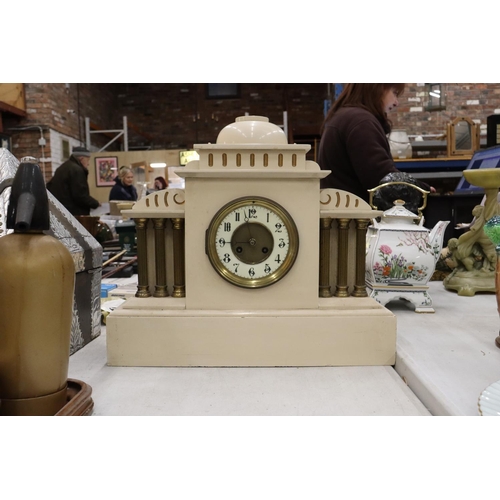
<point x="359" y="284"/>
<point x="324" y="257"/>
<point x="179" y="271"/>
<point x="142" y="259"/>
<point x="160" y="262"/>
<point x="343" y="225"/>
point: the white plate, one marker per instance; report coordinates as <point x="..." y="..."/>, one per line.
<point x="489" y="401"/>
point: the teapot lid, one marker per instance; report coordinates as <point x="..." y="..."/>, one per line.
<point x="399" y="212"/>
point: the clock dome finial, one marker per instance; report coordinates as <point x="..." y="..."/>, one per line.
<point x="252" y="129"/>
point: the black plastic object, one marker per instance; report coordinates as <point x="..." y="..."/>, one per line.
<point x="29" y="203"/>
<point x="384" y="198"/>
<point x="492" y="130"/>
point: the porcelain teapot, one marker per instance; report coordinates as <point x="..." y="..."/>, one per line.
<point x="400" y="250"/>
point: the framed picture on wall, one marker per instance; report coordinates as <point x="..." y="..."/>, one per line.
<point x="106" y="169"/>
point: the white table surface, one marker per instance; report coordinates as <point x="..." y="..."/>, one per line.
<point x="449" y="357"/>
<point x="144" y="391"/>
<point x="444" y="361"/>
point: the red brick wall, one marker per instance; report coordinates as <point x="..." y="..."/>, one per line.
<point x="63" y="108"/>
<point x="457" y="96"/>
<point x="178" y="115"/>
<point x="38" y="108"/>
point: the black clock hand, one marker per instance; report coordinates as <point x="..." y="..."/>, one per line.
<point x="250" y="237"/>
<point x="248" y="227"/>
<point x="251" y="241"/>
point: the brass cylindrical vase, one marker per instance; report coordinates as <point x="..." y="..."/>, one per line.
<point x="37" y="277"/>
<point x="36" y="303"/>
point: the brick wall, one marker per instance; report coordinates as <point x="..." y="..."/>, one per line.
<point x="60" y="108"/>
<point x="476" y="101"/>
<point x="177" y="115"/>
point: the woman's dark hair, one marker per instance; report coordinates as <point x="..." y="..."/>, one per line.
<point x="162" y="181"/>
<point x="368" y="96"/>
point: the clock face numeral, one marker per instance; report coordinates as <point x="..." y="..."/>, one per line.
<point x="252" y="242"/>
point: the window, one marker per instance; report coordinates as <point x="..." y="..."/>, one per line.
<point x="4" y="141"/>
<point x="223" y="90"/>
<point x="436" y="97"/>
<point x="65" y="149"/>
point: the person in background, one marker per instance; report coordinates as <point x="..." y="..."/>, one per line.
<point x="160" y="183"/>
<point x="70" y="183"/>
<point x="354" y="144"/>
<point x="124" y="188"/>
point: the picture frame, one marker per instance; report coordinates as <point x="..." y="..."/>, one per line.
<point x="106" y="169"/>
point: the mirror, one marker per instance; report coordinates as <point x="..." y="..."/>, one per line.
<point x="462" y="137"/>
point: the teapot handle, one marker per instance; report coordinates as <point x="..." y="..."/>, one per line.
<point x="423" y="191"/>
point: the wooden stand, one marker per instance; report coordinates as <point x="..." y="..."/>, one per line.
<point x="79" y="398"/>
<point x="78" y="403"/>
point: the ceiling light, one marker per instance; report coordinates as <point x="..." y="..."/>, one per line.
<point x="158" y="165"/>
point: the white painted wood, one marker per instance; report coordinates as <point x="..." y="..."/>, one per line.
<point x="147" y="332"/>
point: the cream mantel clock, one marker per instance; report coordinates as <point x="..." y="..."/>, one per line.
<point x="250" y="251"/>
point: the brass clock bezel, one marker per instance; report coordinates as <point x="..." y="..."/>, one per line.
<point x="288" y="261"/>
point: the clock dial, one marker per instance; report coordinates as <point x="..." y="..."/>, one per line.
<point x="252" y="242"/>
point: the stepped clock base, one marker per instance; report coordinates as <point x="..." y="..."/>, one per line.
<point x="340" y="332"/>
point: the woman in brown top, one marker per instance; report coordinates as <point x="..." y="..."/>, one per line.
<point x="354" y="143"/>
